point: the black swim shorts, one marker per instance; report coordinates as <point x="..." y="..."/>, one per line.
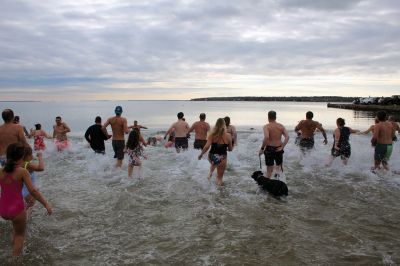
<point x="181" y="143"/>
<point x="306" y="143"/>
<point x="199" y="144"/>
<point x="118" y="147"/>
<point x="271" y="155"/>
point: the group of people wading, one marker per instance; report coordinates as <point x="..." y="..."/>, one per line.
<point x="18" y="170"/>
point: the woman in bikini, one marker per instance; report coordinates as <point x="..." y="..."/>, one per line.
<point x="12" y="206"/>
<point x="220" y="142"/>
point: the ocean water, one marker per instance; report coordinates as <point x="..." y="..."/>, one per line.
<point x="170" y="214"/>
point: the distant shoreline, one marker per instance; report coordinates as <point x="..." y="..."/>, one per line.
<point x="280" y="99"/>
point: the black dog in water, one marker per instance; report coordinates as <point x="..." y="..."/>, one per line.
<point x="273" y="186"/>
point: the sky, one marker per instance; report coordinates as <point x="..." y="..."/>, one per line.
<point x="182" y="49"/>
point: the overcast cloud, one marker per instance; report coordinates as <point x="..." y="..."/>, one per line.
<point x="109" y="49"/>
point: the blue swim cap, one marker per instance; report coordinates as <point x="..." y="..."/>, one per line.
<point x="118" y="110"/>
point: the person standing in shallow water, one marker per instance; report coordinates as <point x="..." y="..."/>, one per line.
<point x="231" y="129"/>
<point x="119" y="126"/>
<point x="306" y="129"/>
<point x="200" y="129"/>
<point x="96" y="135"/>
<point x="383" y="136"/>
<point x="181" y="129"/>
<point x="341" y="145"/>
<point x="220" y="142"/>
<point x="9" y="133"/>
<point x="60" y="130"/>
<point x="12" y="207"/>
<point x="272" y="145"/>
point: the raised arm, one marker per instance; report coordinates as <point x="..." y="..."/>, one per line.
<point x="37" y="167"/>
<point x="33" y="191"/>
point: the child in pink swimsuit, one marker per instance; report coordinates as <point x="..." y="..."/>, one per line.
<point x="12" y="206"/>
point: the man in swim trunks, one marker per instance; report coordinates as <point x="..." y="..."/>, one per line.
<point x="60" y="130"/>
<point x="96" y="136"/>
<point x="200" y="129"/>
<point x="9" y="133"/>
<point x="307" y="128"/>
<point x="119" y="126"/>
<point x="383" y="135"/>
<point x="272" y="145"/>
<point x="395" y="125"/>
<point x="181" y="129"/>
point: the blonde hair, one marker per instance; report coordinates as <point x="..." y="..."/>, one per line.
<point x="219" y="128"/>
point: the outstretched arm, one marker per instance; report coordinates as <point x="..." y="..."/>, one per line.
<point x="33" y="191"/>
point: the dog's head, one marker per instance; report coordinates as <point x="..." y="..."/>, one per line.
<point x="256" y="175"/>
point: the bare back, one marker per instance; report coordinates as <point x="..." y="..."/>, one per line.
<point x="181" y="129"/>
<point x="383" y="132"/>
<point x="307" y="128"/>
<point x="273" y="132"/>
<point x="119" y="126"/>
<point x="10" y="133"/>
<point x="200" y="128"/>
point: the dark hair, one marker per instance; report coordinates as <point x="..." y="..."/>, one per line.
<point x="381" y="115"/>
<point x="133" y="139"/>
<point x="227" y="120"/>
<point x="16" y="119"/>
<point x="15" y="152"/>
<point x="8" y="115"/>
<point x="309" y="115"/>
<point x="272" y="115"/>
<point x="180" y="115"/>
<point x="38" y="126"/>
<point x="202" y="116"/>
<point x="97" y="119"/>
<point x="340" y="121"/>
<point x="58" y="117"/>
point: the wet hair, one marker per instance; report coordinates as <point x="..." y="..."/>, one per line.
<point x="180" y="115"/>
<point x="219" y="128"/>
<point x="133" y="139"/>
<point x="202" y="116"/>
<point x="227" y="120"/>
<point x="381" y="115"/>
<point x="15" y="152"/>
<point x="28" y="151"/>
<point x="8" y="115"/>
<point x="340" y="122"/>
<point x="16" y="119"/>
<point x="98" y="119"/>
<point x="38" y="126"/>
<point x="272" y="115"/>
<point x="309" y="115"/>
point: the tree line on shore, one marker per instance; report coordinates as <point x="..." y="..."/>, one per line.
<point x="280" y="99"/>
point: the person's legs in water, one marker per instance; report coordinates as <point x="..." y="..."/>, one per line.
<point x="19" y="229"/>
<point x="220" y="171"/>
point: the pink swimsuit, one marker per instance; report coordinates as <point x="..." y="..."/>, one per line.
<point x="11" y="201"/>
